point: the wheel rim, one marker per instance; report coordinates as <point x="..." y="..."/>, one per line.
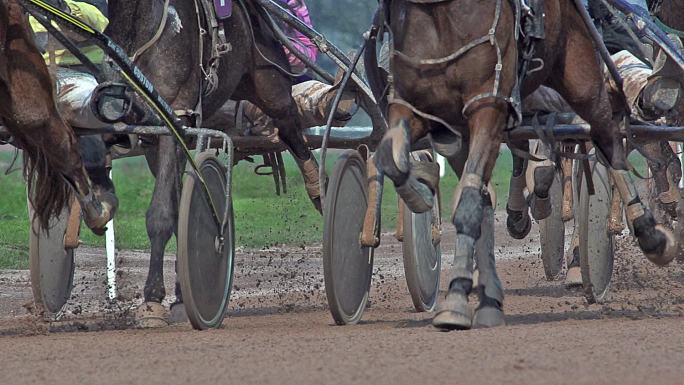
<point x="206" y="273"/>
<point x="552" y="234"/>
<point x="52" y="266"/>
<point x="596" y="243"/>
<point x="347" y="265"/>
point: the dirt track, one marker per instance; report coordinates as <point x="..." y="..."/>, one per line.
<point x="280" y="332"/>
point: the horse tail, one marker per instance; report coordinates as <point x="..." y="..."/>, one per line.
<point x="48" y="190"/>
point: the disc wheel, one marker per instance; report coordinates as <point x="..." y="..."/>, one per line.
<point x="422" y="254"/>
<point x="205" y="269"/>
<point x="552" y="233"/>
<point x="597" y="244"/>
<point x="347" y="266"/>
<point x="50" y="263"/>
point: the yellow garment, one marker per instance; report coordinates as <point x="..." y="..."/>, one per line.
<point x="91" y="16"/>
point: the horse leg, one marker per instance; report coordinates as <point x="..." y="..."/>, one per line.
<point x="518" y="222"/>
<point x="473" y="213"/>
<point x="540" y="176"/>
<point x="392" y="157"/>
<point x="161" y="222"/>
<point x="579" y="87"/>
<point x="666" y="170"/>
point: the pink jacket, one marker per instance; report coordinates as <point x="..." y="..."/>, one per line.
<point x="303" y="43"/>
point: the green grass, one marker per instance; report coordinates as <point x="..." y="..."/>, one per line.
<point x="261" y="217"/>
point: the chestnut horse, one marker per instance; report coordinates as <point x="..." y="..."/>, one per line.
<point x="455" y="67"/>
<point x="54" y="168"/>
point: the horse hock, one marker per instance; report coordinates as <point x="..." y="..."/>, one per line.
<point x="657" y="242"/>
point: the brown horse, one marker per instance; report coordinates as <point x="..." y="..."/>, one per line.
<point x="455" y="68"/>
<point x="54" y="168"/>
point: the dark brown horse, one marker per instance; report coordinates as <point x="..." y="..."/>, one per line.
<point x="54" y="168"/>
<point x="253" y="68"/>
<point x="456" y="63"/>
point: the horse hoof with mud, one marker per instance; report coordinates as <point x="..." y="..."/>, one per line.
<point x="467" y="83"/>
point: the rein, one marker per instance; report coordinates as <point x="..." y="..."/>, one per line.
<point x="155" y="38"/>
<point x="668" y="29"/>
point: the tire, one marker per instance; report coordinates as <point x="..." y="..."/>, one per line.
<point x="597" y="244"/>
<point x="422" y="256"/>
<point x="205" y="272"/>
<point x="347" y="266"/>
<point x="51" y="264"/>
<point x="552" y="234"/>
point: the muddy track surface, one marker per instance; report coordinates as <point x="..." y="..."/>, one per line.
<point x="279" y="330"/>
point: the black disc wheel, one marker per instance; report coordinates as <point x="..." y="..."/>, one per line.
<point x="347" y="266"/>
<point x="597" y="243"/>
<point x="552" y="233"/>
<point x="205" y="257"/>
<point x="51" y="264"/>
<point x="422" y="254"/>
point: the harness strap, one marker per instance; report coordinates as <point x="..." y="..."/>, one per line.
<point x="157" y="35"/>
<point x="424" y="115"/>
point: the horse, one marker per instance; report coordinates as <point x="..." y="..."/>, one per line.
<point x="253" y="68"/>
<point x="455" y="68"/>
<point x="54" y="167"/>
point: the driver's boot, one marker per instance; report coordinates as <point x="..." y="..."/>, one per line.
<point x="663" y="89"/>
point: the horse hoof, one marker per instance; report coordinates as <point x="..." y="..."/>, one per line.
<point x="663" y="255"/>
<point x="453" y="313"/>
<point x="518" y="224"/>
<point x="540" y="207"/>
<point x="151" y="315"/>
<point x="177" y="313"/>
<point x="573" y="278"/>
<point x="417" y="196"/>
<point x="488" y="317"/>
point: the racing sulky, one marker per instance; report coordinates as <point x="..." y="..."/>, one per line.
<point x="460" y="69"/>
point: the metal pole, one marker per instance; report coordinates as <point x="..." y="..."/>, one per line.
<point x="110" y="245"/>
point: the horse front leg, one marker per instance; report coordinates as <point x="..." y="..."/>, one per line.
<point x="473" y="218"/>
<point x="392" y="157"/>
<point x="161" y="222"/>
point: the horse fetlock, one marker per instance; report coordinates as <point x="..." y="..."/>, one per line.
<point x="392" y="154"/>
<point x="417" y="196"/>
<point x="657" y="242"/>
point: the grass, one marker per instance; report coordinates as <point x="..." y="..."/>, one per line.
<point x="261" y="217"/>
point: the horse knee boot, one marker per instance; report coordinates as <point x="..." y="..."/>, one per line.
<point x="540" y="202"/>
<point x="489" y="313"/>
<point x="518" y="222"/>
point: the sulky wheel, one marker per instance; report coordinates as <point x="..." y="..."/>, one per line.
<point x="596" y="242"/>
<point x="422" y="253"/>
<point x="347" y="266"/>
<point x="205" y="267"/>
<point x="51" y="263"/>
<point x="552" y="233"/>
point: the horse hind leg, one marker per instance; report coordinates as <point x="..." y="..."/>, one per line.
<point x="518" y="222"/>
<point x="393" y="159"/>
